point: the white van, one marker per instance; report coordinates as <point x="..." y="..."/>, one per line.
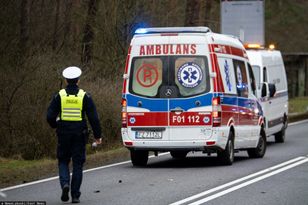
<point x="188" y="89"/>
<point x="272" y="90"/>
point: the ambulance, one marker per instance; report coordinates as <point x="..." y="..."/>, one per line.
<point x="188" y="89"/>
<point x="272" y="89"/>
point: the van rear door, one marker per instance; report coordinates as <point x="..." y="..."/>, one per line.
<point x="190" y="109"/>
<point x="147" y="113"/>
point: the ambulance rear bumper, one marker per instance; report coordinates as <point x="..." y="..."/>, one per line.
<point x="176" y="145"/>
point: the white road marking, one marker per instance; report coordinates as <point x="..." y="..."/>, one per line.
<point x="85" y="171"/>
<point x="249" y="182"/>
<point x="270" y="172"/>
<point x="3" y="195"/>
<point x="98" y="168"/>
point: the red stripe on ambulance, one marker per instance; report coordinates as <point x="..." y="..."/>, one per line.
<point x="225" y="49"/>
<point x="190" y="119"/>
<point x="126" y="69"/>
<point x="147" y="119"/>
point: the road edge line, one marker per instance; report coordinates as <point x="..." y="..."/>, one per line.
<point x="247" y="183"/>
<point x="237" y="181"/>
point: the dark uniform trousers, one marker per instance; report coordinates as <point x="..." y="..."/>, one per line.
<point x="71" y="146"/>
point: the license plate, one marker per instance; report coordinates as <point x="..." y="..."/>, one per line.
<point x="149" y="135"/>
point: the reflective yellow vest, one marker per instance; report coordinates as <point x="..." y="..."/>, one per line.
<point x="71" y="105"/>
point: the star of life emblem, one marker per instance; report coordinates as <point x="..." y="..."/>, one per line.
<point x="189" y="75"/>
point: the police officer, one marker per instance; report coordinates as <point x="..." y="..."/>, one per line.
<point x="66" y="113"/>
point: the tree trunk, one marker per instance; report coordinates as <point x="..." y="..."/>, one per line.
<point x="88" y="34"/>
<point x="56" y="26"/>
<point x="24" y="24"/>
<point x="192" y="17"/>
<point x="67" y="21"/>
<point x="207" y="11"/>
<point x="76" y="23"/>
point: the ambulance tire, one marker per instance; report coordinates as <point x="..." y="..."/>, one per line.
<point x="226" y="157"/>
<point x="139" y="157"/>
<point x="260" y="150"/>
<point x="178" y="154"/>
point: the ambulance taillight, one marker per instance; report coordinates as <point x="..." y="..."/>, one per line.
<point x="216" y="112"/>
<point x="124" y="113"/>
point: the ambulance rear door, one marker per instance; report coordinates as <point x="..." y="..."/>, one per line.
<point x="147" y="112"/>
<point x="190" y="110"/>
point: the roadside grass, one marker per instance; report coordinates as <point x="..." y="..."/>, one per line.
<point x="14" y="171"/>
<point x="19" y="171"/>
<point x="298" y="105"/>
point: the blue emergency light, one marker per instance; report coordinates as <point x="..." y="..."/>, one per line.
<point x="200" y="29"/>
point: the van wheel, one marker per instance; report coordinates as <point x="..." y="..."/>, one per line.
<point x="280" y="136"/>
<point x="226" y="157"/>
<point x="260" y="150"/>
<point x="178" y="154"/>
<point x="139" y="157"/>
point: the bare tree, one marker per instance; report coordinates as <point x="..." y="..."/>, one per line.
<point x="198" y="12"/>
<point x="88" y="34"/>
<point x="67" y="21"/>
<point x="56" y="26"/>
<point x="192" y="13"/>
<point x="24" y="24"/>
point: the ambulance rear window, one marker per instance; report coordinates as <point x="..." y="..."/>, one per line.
<point x="186" y="76"/>
<point x="147" y="76"/>
<point x="190" y="75"/>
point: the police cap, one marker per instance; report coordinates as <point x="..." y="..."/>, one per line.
<point x="71" y="72"/>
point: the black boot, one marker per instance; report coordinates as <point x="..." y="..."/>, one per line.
<point x="65" y="191"/>
<point x="75" y="200"/>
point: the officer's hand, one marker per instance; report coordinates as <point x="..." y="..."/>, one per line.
<point x="98" y="141"/>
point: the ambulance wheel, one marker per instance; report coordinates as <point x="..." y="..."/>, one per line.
<point x="260" y="150"/>
<point x="178" y="154"/>
<point x="139" y="157"/>
<point x="226" y="157"/>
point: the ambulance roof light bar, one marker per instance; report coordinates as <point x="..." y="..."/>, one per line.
<point x="253" y="46"/>
<point x="200" y="29"/>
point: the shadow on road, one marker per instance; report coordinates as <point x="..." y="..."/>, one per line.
<point x="202" y="160"/>
<point x="192" y="162"/>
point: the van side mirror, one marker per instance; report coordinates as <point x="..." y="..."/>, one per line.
<point x="268" y="90"/>
<point x="264" y="90"/>
<point x="272" y="89"/>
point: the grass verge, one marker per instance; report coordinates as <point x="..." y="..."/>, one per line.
<point x="298" y="105"/>
<point x="14" y="171"/>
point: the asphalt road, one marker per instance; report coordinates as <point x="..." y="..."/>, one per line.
<point x="281" y="177"/>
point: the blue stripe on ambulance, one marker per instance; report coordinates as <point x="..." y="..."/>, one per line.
<point x="161" y="104"/>
<point x="188" y="103"/>
<point x="152" y="104"/>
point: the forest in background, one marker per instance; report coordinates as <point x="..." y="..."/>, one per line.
<point x="39" y="38"/>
